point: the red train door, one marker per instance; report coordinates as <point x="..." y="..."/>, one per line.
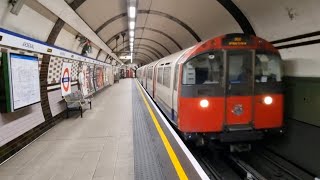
<point x="239" y="89"/>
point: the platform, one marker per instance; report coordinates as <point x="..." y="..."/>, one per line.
<point x="122" y="137"/>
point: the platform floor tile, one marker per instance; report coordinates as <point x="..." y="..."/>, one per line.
<point x="98" y="146"/>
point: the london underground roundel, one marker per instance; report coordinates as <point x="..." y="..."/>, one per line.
<point x="66" y="79"/>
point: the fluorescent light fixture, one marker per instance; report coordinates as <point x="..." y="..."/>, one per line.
<point x="131" y="24"/>
<point x="131" y="43"/>
<point x="132" y="12"/>
<point x="131" y="39"/>
<point x="131" y="33"/>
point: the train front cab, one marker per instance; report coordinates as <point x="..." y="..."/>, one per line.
<point x="231" y="95"/>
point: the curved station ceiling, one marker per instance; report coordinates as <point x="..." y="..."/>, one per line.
<point x="163" y="27"/>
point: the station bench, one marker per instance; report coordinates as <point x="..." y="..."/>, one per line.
<point x="76" y="101"/>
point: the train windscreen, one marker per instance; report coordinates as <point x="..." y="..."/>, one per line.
<point x="268" y="68"/>
<point x="206" y="68"/>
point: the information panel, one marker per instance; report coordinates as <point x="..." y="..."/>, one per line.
<point x="25" y="82"/>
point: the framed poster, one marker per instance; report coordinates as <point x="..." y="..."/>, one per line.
<point x="99" y="77"/>
<point x="89" y="76"/>
<point x="24" y="80"/>
<point x="86" y="80"/>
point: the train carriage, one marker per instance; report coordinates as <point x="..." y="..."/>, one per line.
<point x="227" y="88"/>
<point x="150" y="79"/>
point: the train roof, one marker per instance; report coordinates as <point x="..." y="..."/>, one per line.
<point x="236" y="41"/>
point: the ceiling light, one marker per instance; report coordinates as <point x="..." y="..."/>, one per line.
<point x="132" y="12"/>
<point x="131" y="33"/>
<point x="131" y="39"/>
<point x="131" y="25"/>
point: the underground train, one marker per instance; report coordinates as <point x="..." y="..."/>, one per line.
<point x="228" y="88"/>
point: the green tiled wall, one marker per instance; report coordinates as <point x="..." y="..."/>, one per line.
<point x="302" y="99"/>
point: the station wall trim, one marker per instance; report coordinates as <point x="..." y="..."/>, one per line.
<point x="162" y="14"/>
<point x="142" y="48"/>
<point x="237" y="14"/>
<point x="145" y="45"/>
<point x="19" y="41"/>
<point x="149" y="29"/>
<point x="147" y="39"/>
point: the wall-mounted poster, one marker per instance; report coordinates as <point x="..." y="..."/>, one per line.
<point x="90" y="79"/>
<point x="86" y="80"/>
<point x="99" y="77"/>
<point x="106" y="76"/>
<point x="25" y="83"/>
<point x="66" y="78"/>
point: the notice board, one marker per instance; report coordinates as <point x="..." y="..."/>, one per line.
<point x="25" y="84"/>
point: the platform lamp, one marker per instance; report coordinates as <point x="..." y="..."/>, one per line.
<point x="17" y="6"/>
<point x="123" y="34"/>
<point x="117" y="38"/>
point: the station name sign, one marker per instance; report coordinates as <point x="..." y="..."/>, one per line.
<point x="11" y="39"/>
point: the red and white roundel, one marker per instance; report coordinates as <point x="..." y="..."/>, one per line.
<point x="66" y="79"/>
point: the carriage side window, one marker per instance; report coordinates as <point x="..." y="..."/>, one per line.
<point x="166" y="76"/>
<point x="159" y="78"/>
<point x="176" y="72"/>
<point x="205" y="68"/>
<point x="268" y="68"/>
<point x="150" y="73"/>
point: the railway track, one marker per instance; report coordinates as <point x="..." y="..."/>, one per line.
<point x="256" y="165"/>
<point x="273" y="166"/>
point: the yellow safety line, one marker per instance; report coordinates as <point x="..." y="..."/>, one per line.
<point x="173" y="157"/>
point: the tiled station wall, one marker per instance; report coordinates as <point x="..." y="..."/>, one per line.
<point x="15" y="124"/>
<point x="18" y="129"/>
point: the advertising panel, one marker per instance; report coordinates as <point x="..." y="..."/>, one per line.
<point x="86" y="80"/>
<point x="99" y="77"/>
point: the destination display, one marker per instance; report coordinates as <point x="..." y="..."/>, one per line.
<point x="25" y="84"/>
<point x="236" y="40"/>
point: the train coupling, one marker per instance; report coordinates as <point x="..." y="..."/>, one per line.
<point x="241" y="147"/>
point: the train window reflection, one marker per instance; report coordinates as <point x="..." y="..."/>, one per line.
<point x="267" y="68"/>
<point x="206" y="68"/>
<point x="240" y="67"/>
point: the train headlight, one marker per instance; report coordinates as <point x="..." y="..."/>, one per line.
<point x="267" y="100"/>
<point x="204" y="103"/>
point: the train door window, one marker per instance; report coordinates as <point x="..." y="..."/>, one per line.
<point x="240" y="67"/>
<point x="268" y="68"/>
<point x="150" y="73"/>
<point x="176" y="76"/>
<point x="206" y="68"/>
<point x="160" y="72"/>
<point x="166" y="76"/>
